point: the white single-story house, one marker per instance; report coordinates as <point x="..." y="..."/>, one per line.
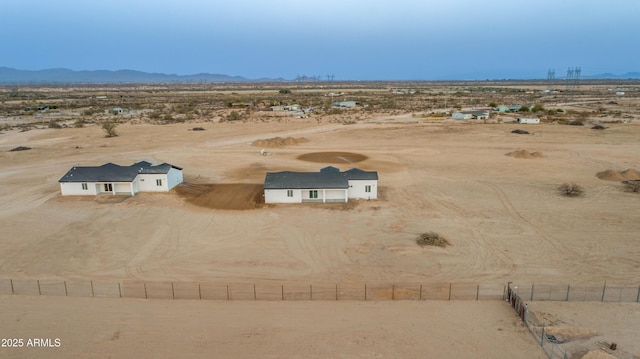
<point x="529" y="120"/>
<point x="328" y="185"/>
<point x="114" y="179"/>
<point x="471" y="115"/>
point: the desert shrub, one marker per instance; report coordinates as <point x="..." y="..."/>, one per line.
<point x="537" y="108"/>
<point x="20" y="148"/>
<point x="632" y="186"/>
<point x="571" y="190"/>
<point x="431" y="239"/>
<point x="233" y="116"/>
<point x="54" y="124"/>
<point x="284" y="91"/>
<point x="79" y="123"/>
<point x="110" y="129"/>
<point x="197" y="129"/>
<point x="575" y="123"/>
<point x="598" y="127"/>
<point x="520" y="132"/>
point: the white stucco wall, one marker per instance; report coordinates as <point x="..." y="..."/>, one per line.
<point x="75" y="189"/>
<point x="280" y="196"/>
<point x="357" y="189"/>
<point x="174" y="177"/>
<point x="147" y="182"/>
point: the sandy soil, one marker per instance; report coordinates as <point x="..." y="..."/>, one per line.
<point x="592" y="326"/>
<point x="502" y="215"/>
<point x="132" y="328"/>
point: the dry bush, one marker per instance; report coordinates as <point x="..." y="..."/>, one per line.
<point x="632" y="186"/>
<point x="110" y="129"/>
<point x="520" y="132"/>
<point x="598" y="127"/>
<point x="571" y="190"/>
<point x="431" y="239"/>
<point x="575" y="123"/>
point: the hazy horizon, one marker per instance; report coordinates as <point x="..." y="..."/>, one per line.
<point x="354" y="40"/>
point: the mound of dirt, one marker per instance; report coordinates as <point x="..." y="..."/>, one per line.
<point x="333" y="157"/>
<point x="279" y="142"/>
<point x="619" y="176"/>
<point x="235" y="196"/>
<point x="525" y="154"/>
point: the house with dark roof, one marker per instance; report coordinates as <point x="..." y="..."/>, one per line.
<point x="327" y="185"/>
<point x="114" y="179"/>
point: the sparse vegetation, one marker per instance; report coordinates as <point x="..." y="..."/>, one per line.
<point x="520" y="132"/>
<point x="431" y="239"/>
<point x="632" y="186"/>
<point x="110" y="129"/>
<point x="571" y="190"/>
<point x="575" y="123"/>
<point x="598" y="127"/>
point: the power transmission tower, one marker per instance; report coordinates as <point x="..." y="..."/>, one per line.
<point x="551" y="76"/>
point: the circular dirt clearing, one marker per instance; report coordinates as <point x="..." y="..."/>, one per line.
<point x="333" y="157"/>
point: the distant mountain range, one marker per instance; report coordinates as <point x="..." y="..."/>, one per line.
<point x="14" y="76"/>
<point x="609" y="76"/>
<point x="66" y="76"/>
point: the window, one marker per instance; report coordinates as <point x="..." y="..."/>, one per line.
<point x="108" y="187"/>
<point x="367" y="188"/>
<point x="289" y="193"/>
<point x="158" y="182"/>
<point x="313" y="194"/>
<point x="85" y="187"/>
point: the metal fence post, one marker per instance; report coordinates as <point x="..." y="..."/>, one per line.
<point x="310" y="291"/>
<point x="283" y="292"/>
<point x="255" y="295"/>
<point x="65" y="289"/>
<point x="119" y="290"/>
<point x="604" y="289"/>
<point x="532" y="288"/>
<point x="145" y="290"/>
<point x="199" y="292"/>
<point x="13" y="292"/>
<point x="393" y="292"/>
<point x="449" y="291"/>
<point x="568" y="289"/>
<point x="39" y="291"/>
<point x="421" y="291"/>
<point x="93" y="294"/>
<point x="542" y="338"/>
<point x="173" y="292"/>
<point x="365" y="292"/>
<point x="336" y="292"/>
<point x="477" y="292"/>
<point x="637" y="296"/>
<point x="228" y="296"/>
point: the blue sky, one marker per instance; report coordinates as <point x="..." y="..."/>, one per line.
<point x="351" y="39"/>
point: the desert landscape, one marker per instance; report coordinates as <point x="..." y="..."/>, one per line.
<point x="492" y="193"/>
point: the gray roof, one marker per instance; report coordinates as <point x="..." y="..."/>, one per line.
<point x="110" y="172"/>
<point x="328" y="177"/>
<point x="303" y="180"/>
<point x="358" y="174"/>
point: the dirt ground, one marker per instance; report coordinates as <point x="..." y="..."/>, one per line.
<point x="138" y="328"/>
<point x="502" y="215"/>
<point x="591" y="326"/>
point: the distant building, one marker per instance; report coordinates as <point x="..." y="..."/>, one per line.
<point x="471" y="115"/>
<point x="328" y="185"/>
<point x="114" y="179"/>
<point x="529" y="120"/>
<point x="344" y="104"/>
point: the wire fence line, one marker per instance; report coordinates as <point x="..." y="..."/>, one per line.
<point x="323" y="291"/>
<point x="257" y="291"/>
